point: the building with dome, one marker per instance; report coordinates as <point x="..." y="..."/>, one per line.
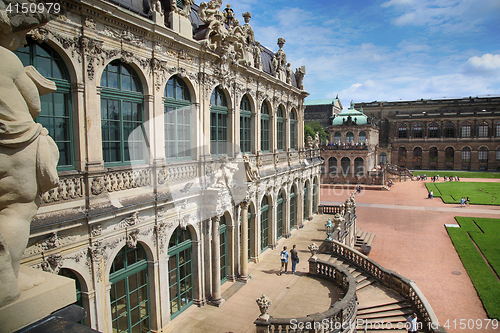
<point x="182" y="156"/>
<point x="352" y="149"/>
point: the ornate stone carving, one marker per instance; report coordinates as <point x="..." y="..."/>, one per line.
<point x="122" y="180"/>
<point x="186" y="11"/>
<point x="257" y="57"/>
<point x="94" y="51"/>
<point x="224" y="176"/>
<point x="96" y="230"/>
<point x="97" y="186"/>
<point x="132" y="238"/>
<point x="313" y="248"/>
<point x="129" y="221"/>
<point x="124" y="35"/>
<point x="299" y="77"/>
<point x="251" y="170"/>
<point x="68" y="189"/>
<point x="264" y="303"/>
<point x="89" y="22"/>
<point x="52" y="264"/>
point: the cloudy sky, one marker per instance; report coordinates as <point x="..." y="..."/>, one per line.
<point x="384" y="50"/>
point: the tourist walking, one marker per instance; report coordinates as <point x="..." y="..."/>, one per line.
<point x="467" y="201"/>
<point x="462" y="202"/>
<point x="411" y="323"/>
<point x="295" y="258"/>
<point x="431" y="194"/>
<point x="284" y="260"/>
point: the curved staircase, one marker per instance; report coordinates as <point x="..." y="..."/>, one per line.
<point x="380" y="309"/>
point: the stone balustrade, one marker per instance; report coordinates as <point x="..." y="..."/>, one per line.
<point x="339" y="318"/>
<point x="404" y="286"/>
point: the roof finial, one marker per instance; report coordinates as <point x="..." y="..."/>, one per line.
<point x="352" y="105"/>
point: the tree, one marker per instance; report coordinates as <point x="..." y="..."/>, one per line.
<point x="313" y="127"/>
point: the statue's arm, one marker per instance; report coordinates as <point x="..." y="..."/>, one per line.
<point x="28" y="89"/>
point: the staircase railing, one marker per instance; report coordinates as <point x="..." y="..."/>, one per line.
<point x="404" y="286"/>
<point x="340" y="318"/>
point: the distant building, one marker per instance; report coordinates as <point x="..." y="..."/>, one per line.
<point x="451" y="134"/>
<point x="322" y="110"/>
<point x="352" y="149"/>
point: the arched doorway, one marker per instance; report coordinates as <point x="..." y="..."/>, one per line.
<point x="345" y="166"/>
<point x="383" y="159"/>
<point x="279" y="221"/>
<point x="359" y="167"/>
<point x="79" y="301"/>
<point x="332" y="166"/>
<point x="417" y="158"/>
<point x="304" y="217"/>
<point x="264" y="224"/>
<point x="433" y="157"/>
<point x="292" y="208"/>
<point x="129" y="293"/>
<point x="402" y="157"/>
<point x="223" y="249"/>
<point x="466" y="152"/>
<point x="180" y="271"/>
<point x="449" y="157"/>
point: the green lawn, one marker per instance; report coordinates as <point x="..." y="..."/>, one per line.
<point x="486" y="235"/>
<point x="478" y="193"/>
<point x="461" y="174"/>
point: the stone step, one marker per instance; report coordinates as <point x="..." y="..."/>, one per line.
<point x="394" y="330"/>
<point x="381" y="305"/>
<point x="356" y="274"/>
<point x="386" y="314"/>
<point x="365" y="283"/>
<point x="361" y="277"/>
<point x="378" y="320"/>
<point x="384" y="307"/>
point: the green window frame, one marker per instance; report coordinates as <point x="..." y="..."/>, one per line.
<point x="122" y="104"/>
<point x="337" y="137"/>
<point x="177" y="125"/>
<point x="280" y="129"/>
<point x="56" y="110"/>
<point x="264" y="128"/>
<point x="292" y="208"/>
<point x="264" y="224"/>
<point x="218" y="122"/>
<point x="293" y="131"/>
<point x="129" y="294"/>
<point x="223" y="249"/>
<point x="245" y="125"/>
<point x="79" y="301"/>
<point x="180" y="271"/>
<point x="279" y="221"/>
<point x="314" y="195"/>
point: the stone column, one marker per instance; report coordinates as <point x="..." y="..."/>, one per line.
<point x="244" y="242"/>
<point x="216" y="293"/>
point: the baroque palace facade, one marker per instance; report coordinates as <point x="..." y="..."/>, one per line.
<point x="451" y="134"/>
<point x="182" y="156"/>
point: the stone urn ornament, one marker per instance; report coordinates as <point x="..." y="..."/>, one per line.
<point x="264" y="303"/>
<point x="314" y="249"/>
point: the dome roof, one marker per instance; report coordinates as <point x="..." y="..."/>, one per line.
<point x="356" y="117"/>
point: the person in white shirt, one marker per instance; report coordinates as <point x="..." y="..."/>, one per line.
<point x="411" y="323"/>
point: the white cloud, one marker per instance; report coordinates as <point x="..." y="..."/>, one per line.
<point x="487" y="65"/>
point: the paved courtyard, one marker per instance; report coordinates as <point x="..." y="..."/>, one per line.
<point x="410" y="239"/>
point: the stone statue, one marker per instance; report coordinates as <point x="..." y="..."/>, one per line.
<point x="275" y="66"/>
<point x="247" y="29"/>
<point x="280" y="55"/>
<point x="228" y="15"/>
<point x="252" y="171"/>
<point x="309" y="142"/>
<point x="299" y="77"/>
<point x="316" y="141"/>
<point x="187" y="7"/>
<point x="288" y="74"/>
<point x="257" y="57"/>
<point x="28" y="156"/>
<point x="224" y="176"/>
<point x="155" y="6"/>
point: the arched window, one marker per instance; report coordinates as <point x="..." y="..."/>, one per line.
<point x="223" y="249"/>
<point x="177" y="109"/>
<point x="55" y="114"/>
<point x="417" y="157"/>
<point x="402" y="131"/>
<point x="293" y="132"/>
<point x="482" y="155"/>
<point x="218" y="122"/>
<point x="466" y="129"/>
<point x="433" y="130"/>
<point x="245" y="125"/>
<point x="359" y="166"/>
<point x="345" y="165"/>
<point x="449" y="130"/>
<point x="362" y="136"/>
<point x="264" y="224"/>
<point x="129" y="294"/>
<point x="497" y="134"/>
<point x="304" y="215"/>
<point x="449" y="154"/>
<point x="121" y="115"/>
<point x="349" y="137"/>
<point x="292" y="208"/>
<point x="418" y="131"/>
<point x="180" y="271"/>
<point x="280" y="127"/>
<point x="279" y="211"/>
<point x="402" y="154"/>
<point x="483" y="130"/>
<point x="315" y="194"/>
<point x="337" y="137"/>
<point x="265" y="127"/>
<point x="466" y="154"/>
<point x="433" y="154"/>
<point x="332" y="166"/>
<point x="383" y="158"/>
